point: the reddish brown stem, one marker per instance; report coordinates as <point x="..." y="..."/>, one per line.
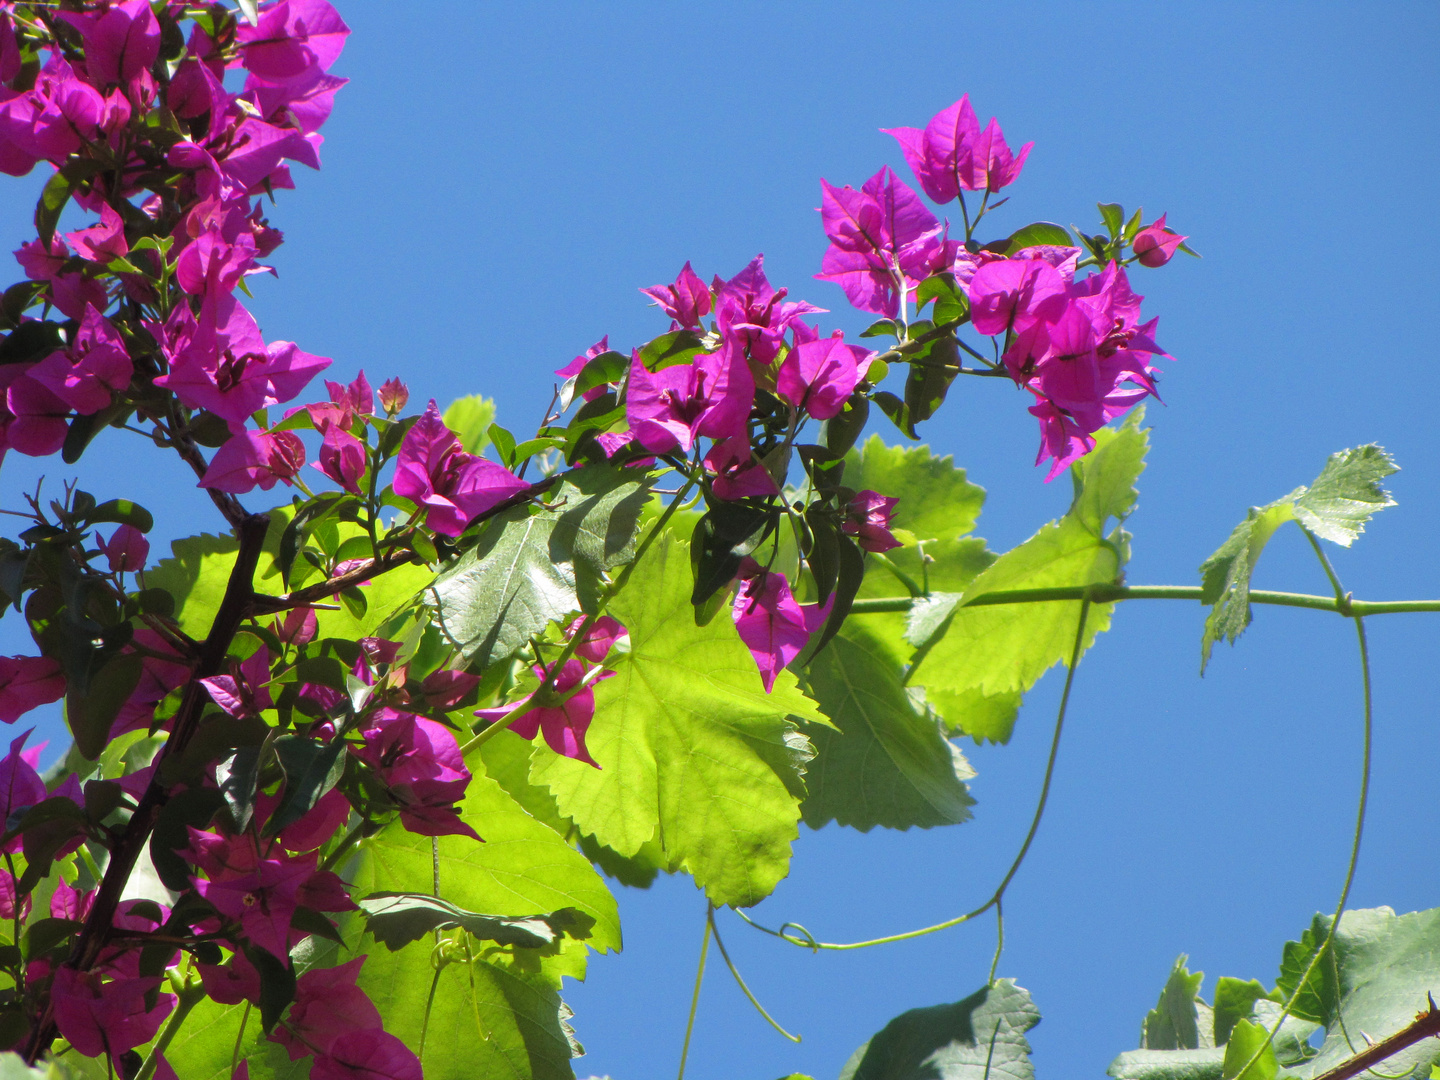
<point x="1426" y="1025"/>
<point x="93" y="936"/>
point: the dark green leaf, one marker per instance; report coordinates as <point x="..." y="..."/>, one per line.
<point x="236" y="776"/>
<point x="1038" y="234"/>
<point x="848" y="579"/>
<point x="727" y="533"/>
<point x="504" y="444"/>
<point x="194" y="807"/>
<point x="980" y="1038"/>
<point x="601" y="370"/>
<point x="43" y="935"/>
<point x="840" y="432"/>
<point x="53" y="197"/>
<point x="90" y="714"/>
<point x="931" y="373"/>
<point x="311" y="769"/>
<point x="122" y="512"/>
<point x="896" y="410"/>
<point x="277" y="985"/>
<point x="31" y="341"/>
<point x="534" y="566"/>
<point x="396" y="919"/>
<point x="676" y="347"/>
<point x="889" y="764"/>
<point x="884" y="327"/>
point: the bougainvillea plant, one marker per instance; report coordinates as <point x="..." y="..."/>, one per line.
<point x="347" y="772"/>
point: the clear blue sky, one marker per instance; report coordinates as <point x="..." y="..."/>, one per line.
<point x="499" y="180"/>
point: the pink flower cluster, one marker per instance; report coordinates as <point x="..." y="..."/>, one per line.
<point x="1077" y="345"/>
<point x="569" y="706"/>
<point x="102" y="118"/>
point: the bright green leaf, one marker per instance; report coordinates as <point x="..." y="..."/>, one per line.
<point x="523" y="867"/>
<point x="890" y="763"/>
<point x="532" y="567"/>
<point x="1234" y="1001"/>
<point x="999" y="651"/>
<point x="470" y="418"/>
<point x="936" y="500"/>
<point x="1249" y="1055"/>
<point x="1038" y="233"/>
<point x="689" y="743"/>
<point x="980" y="1038"/>
<point x="1205" y="1064"/>
<point x="469" y="1020"/>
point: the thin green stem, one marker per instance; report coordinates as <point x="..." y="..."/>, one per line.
<point x="349" y="841"/>
<point x="999" y="941"/>
<point x="1107" y="594"/>
<point x="809" y="942"/>
<point x="189" y="998"/>
<point x="240" y="1038"/>
<point x="735" y="973"/>
<point x="1327" y="946"/>
<point x="695" y="997"/>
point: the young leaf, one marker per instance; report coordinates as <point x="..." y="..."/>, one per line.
<point x="470" y="418"/>
<point x="689" y="742"/>
<point x="1036" y="234"/>
<point x="1346" y="493"/>
<point x="1335" y="507"/>
<point x="1174" y="1022"/>
<point x="980" y="1038"/>
<point x="889" y="764"/>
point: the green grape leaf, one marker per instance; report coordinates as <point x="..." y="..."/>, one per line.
<point x="470" y="418"/>
<point x="979" y="1038"/>
<point x="889" y="764"/>
<point x="936" y="501"/>
<point x="484" y="1017"/>
<point x="1000" y="651"/>
<point x="1385" y="965"/>
<point x="1174" y="1022"/>
<point x="689" y="743"/>
<point x="523" y="866"/>
<point x="1335" y="507"/>
<point x="937" y="506"/>
<point x="532" y="567"/>
<point x="1319" y="999"/>
<point x="1207" y="1064"/>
